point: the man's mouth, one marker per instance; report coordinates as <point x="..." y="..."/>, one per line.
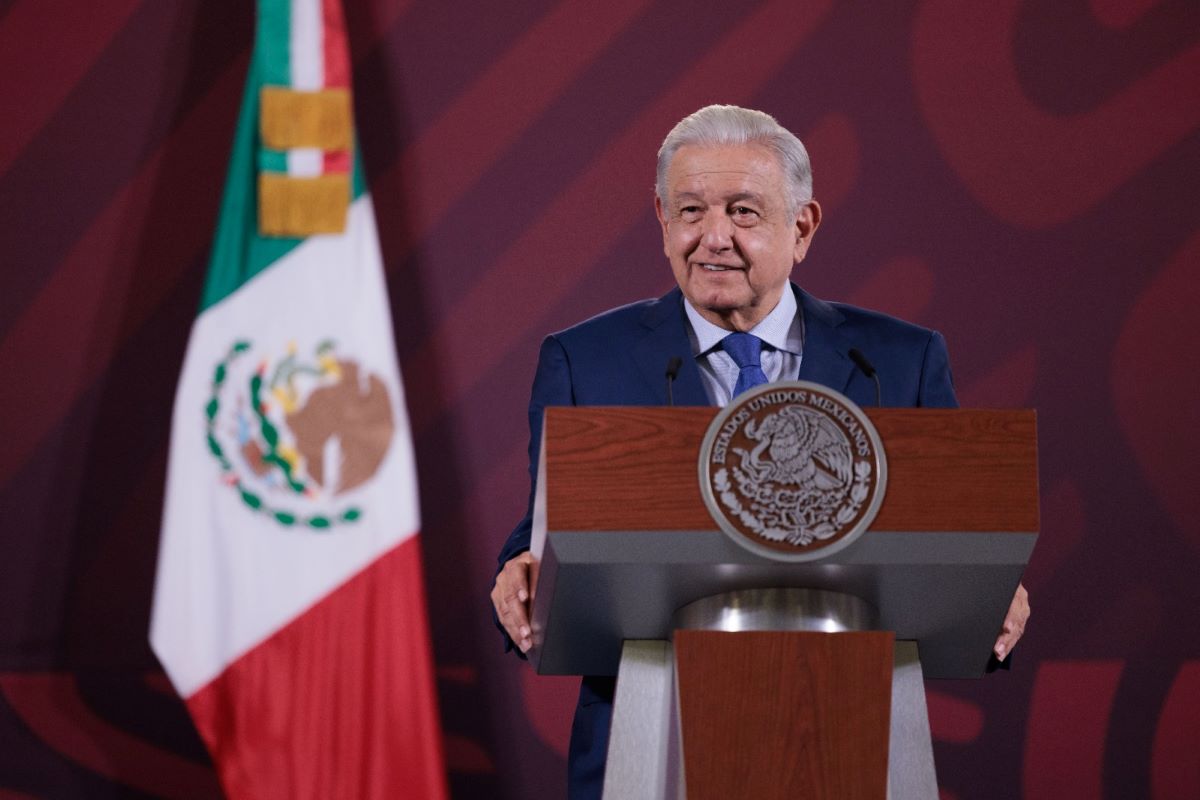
<point x="717" y="268"/>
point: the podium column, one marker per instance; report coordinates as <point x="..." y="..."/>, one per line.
<point x="645" y="756"/>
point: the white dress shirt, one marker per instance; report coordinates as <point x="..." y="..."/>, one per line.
<point x="782" y="333"/>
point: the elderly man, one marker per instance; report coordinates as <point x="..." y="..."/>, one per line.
<point x="734" y="199"/>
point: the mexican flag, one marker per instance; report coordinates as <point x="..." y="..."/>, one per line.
<point x="289" y="609"/>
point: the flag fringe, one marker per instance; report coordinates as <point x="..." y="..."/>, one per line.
<point x="299" y="207"/>
<point x="321" y="119"/>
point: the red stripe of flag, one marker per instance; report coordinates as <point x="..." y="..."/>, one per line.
<point x="337" y="57"/>
<point x="336" y="161"/>
<point x="300" y="717"/>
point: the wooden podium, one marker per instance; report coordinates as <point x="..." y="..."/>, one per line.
<point x="636" y="580"/>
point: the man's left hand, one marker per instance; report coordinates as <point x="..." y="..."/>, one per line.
<point x="1014" y="623"/>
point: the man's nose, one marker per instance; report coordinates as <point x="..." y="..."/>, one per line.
<point x="718" y="232"/>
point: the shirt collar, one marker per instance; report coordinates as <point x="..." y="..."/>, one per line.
<point x="782" y="329"/>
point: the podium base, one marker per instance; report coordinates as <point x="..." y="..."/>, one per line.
<point x="645" y="755"/>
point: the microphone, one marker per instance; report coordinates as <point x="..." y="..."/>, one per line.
<point x="858" y="358"/>
<point x="673" y="365"/>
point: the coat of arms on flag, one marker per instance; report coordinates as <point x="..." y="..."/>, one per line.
<point x="295" y="437"/>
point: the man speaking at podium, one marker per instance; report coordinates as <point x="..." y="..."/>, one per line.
<point x="734" y="199"/>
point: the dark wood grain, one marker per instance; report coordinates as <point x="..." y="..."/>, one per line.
<point x="635" y="468"/>
<point x="785" y="714"/>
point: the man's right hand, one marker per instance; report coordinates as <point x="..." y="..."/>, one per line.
<point x="512" y="596"/>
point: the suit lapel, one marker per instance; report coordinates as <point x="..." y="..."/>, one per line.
<point x="665" y="337"/>
<point x="825" y="360"/>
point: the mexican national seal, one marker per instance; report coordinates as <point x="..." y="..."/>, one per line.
<point x="298" y="438"/>
<point x="792" y="470"/>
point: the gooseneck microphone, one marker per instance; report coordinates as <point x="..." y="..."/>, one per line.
<point x="673" y="365"/>
<point x="858" y="358"/>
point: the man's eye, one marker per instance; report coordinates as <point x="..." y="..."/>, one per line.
<point x="689" y="211"/>
<point x="743" y="211"/>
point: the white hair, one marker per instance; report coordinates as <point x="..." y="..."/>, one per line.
<point x="731" y="125"/>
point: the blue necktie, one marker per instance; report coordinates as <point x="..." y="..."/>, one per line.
<point x="746" y="350"/>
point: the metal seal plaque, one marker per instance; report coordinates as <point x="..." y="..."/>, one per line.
<point x="793" y="471"/>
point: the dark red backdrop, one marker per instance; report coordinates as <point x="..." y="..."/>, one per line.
<point x="1019" y="175"/>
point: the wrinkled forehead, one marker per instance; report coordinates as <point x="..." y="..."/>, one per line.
<point x="725" y="169"/>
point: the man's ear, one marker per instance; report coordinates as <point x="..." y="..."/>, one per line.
<point x="808" y="218"/>
<point x="661" y="213"/>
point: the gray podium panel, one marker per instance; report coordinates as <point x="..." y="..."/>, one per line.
<point x="947" y="591"/>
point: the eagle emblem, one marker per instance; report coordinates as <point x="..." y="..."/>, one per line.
<point x="792" y="467"/>
<point x="296" y="438"/>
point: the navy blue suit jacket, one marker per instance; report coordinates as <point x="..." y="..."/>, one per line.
<point x="620" y="358"/>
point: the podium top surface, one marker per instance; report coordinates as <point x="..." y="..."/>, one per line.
<point x="634" y="468"/>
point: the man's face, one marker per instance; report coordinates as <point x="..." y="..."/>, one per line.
<point x="729" y="233"/>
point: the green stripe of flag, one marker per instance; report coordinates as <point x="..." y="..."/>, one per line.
<point x="273" y="41"/>
<point x="272" y="160"/>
